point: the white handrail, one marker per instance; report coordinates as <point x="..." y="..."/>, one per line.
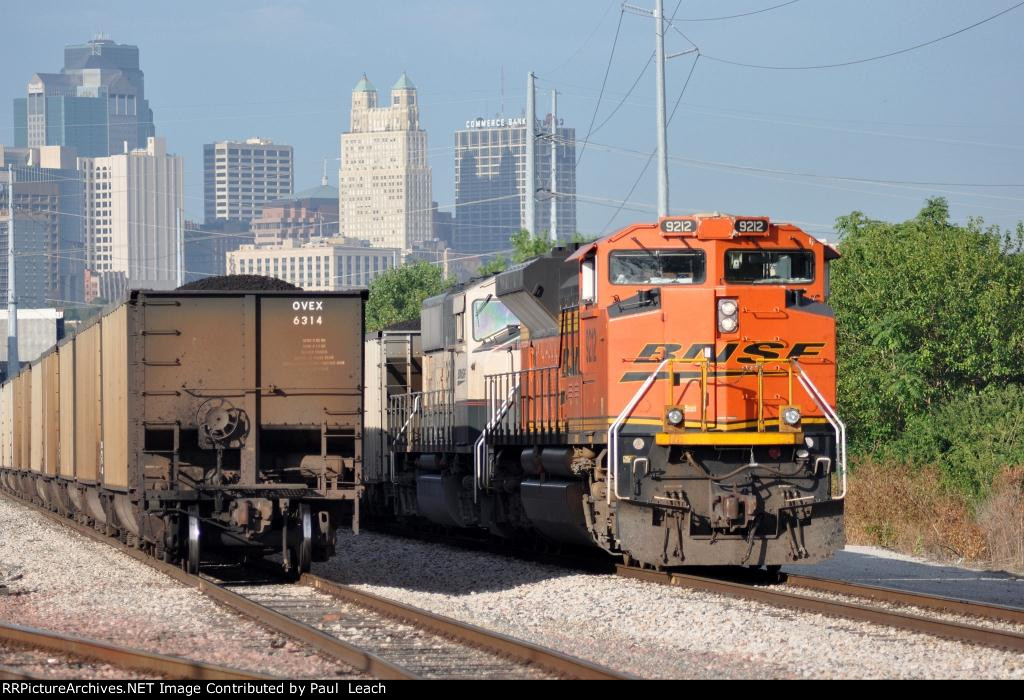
<point x="480" y="446"/>
<point x="613" y="433"/>
<point x="394" y="441"/>
<point x="833" y="418"/>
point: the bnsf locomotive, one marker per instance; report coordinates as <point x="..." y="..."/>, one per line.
<point x="198" y="423"/>
<point x="665" y="393"/>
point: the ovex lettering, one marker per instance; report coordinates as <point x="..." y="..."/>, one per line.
<point x="307" y="306"/>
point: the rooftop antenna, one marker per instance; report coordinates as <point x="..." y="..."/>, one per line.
<point x="501" y="104"/>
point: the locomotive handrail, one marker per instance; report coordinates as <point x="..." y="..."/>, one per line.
<point x="833" y="418"/>
<point x="613" y="432"/>
<point x="401" y="431"/>
<point x="703" y="363"/>
<point x="480" y="446"/>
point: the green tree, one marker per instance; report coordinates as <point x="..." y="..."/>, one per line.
<point x="928" y="312"/>
<point x="527" y="246"/>
<point x="397" y="294"/>
<point x="493" y="266"/>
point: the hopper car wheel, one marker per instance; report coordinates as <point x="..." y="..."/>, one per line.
<point x="192" y="556"/>
<point x="304" y="560"/>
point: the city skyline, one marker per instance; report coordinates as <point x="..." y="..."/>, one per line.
<point x="906" y="119"/>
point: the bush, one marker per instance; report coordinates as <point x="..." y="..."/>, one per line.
<point x="926" y="311"/>
<point x="897" y="506"/>
<point x="1002" y="521"/>
<point x="970" y="438"/>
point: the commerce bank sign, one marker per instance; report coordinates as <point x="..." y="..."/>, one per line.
<point x="496" y="123"/>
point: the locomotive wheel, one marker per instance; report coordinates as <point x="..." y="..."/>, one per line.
<point x="192" y="555"/>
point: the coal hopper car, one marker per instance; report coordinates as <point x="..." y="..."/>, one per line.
<point x="198" y="424"/>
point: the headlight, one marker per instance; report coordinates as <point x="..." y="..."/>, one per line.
<point x="675" y="416"/>
<point x="791" y="415"/>
<point x="728" y="315"/>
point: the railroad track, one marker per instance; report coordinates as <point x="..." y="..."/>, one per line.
<point x="851" y="610"/>
<point x="123" y="658"/>
<point x="375" y="636"/>
<point x="420" y="644"/>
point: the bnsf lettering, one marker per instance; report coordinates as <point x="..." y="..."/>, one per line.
<point x="806" y="350"/>
<point x="656" y="352"/>
<point x="761" y="351"/>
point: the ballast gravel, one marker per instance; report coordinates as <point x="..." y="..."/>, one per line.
<point x="36" y="663"/>
<point x="647" y="629"/>
<point x="55" y="579"/>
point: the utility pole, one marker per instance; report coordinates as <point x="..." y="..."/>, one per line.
<point x="553" y="234"/>
<point x="659" y="62"/>
<point x="181" y="246"/>
<point x="13" y="364"/>
<point x="530" y="186"/>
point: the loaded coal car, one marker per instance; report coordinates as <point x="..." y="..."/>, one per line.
<point x="198" y="424"/>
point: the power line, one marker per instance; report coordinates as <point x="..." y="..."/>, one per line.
<point x="593" y="130"/>
<point x="779" y="171"/>
<point x="604" y="83"/>
<point x="651" y="156"/>
<point x="586" y="41"/>
<point x="872" y="58"/>
<point x="744" y="14"/>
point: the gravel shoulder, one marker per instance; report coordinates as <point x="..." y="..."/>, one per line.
<point x="880" y="567"/>
<point x="55" y="579"/>
<point x="647" y="629"/>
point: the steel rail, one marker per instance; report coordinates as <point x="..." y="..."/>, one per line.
<point x="957" y="631"/>
<point x="9" y="673"/>
<point x="349" y="654"/>
<point x="118" y="656"/>
<point x="896" y="596"/>
<point x="494" y="642"/>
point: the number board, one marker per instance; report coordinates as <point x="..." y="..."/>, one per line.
<point x="679" y="226"/>
<point x="751" y="226"/>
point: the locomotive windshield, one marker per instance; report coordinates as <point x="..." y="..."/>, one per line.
<point x="490" y="316"/>
<point x="656" y="266"/>
<point x="769" y="266"/>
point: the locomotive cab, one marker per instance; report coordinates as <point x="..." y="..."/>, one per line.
<point x="717" y="347"/>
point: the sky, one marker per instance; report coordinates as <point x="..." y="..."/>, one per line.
<point x="805" y="145"/>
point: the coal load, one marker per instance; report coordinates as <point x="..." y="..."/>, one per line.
<point x="241" y="283"/>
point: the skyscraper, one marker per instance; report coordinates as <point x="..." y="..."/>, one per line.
<point x="384" y="184"/>
<point x="49" y="230"/>
<point x="239" y="177"/>
<point x="490" y="182"/>
<point x="134" y="212"/>
<point x="96" y="104"/>
<point x="304" y="216"/>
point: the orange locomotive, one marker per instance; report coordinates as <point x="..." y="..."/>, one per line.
<point x="665" y="393"/>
